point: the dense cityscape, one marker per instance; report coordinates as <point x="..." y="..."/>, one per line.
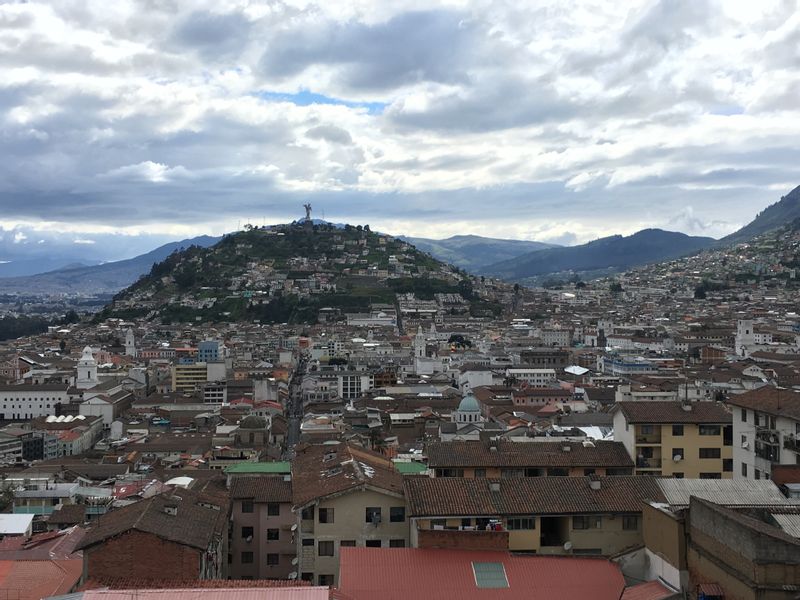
<point x="372" y="300"/>
<point x="277" y="407"/>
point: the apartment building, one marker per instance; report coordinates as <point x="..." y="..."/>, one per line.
<point x="262" y="543"/>
<point x="344" y="496"/>
<point x="766" y="431"/>
<point x="538" y="378"/>
<point x="675" y="439"/>
<point x="546" y="515"/>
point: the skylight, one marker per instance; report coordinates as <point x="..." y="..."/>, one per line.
<point x="490" y="575"/>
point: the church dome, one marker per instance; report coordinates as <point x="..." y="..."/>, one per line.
<point x="469" y="404"/>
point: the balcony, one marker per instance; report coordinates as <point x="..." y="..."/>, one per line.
<point x="648" y="463"/>
<point x="791" y="442"/>
<point x="463" y="539"/>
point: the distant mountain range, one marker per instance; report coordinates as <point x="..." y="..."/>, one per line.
<point x="614" y="252"/>
<point x="776" y="215"/>
<point x="473" y="252"/>
<point x="98" y="279"/>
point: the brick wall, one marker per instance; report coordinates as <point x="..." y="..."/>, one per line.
<point x="141" y="555"/>
<point x="463" y="540"/>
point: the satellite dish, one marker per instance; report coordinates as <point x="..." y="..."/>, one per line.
<point x="294" y="527"/>
<point x="677" y="458"/>
<point x="568" y="546"/>
<point x="293" y="575"/>
<point x="294" y="561"/>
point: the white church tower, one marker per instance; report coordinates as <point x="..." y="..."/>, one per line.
<point x="745" y="337"/>
<point x="130" y="343"/>
<point x="87" y="371"/>
<point x="419" y="343"/>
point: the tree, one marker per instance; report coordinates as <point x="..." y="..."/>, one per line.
<point x="615" y="288"/>
<point x="700" y="292"/>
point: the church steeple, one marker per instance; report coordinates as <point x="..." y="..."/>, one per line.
<point x="87" y="370"/>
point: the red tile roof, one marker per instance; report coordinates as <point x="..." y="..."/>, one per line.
<point x="527" y="454"/>
<point x="672" y="411"/>
<point x="35" y="579"/>
<point x="457" y="496"/>
<point x="770" y="400"/>
<point x="402" y="573"/>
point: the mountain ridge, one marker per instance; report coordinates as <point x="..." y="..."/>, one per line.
<point x="104" y="278"/>
<point x="776" y="215"/>
<point x="611" y="252"/>
<point x="472" y="252"/>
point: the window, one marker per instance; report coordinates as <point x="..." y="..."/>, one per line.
<point x="325" y="515"/>
<point x="586" y="522"/>
<point x="646" y="429"/>
<point x="677" y="430"/>
<point x="587" y="472"/>
<point x="325" y="548"/>
<point x="744" y="415"/>
<point x="397" y="543"/>
<point x="247" y="532"/>
<point x="449" y="472"/>
<point x="520" y="523"/>
<point x="744" y="469"/>
<point x="347" y="543"/>
<point x="710" y="475"/>
<point x="557" y="472"/>
<point x="630" y="522"/>
<point x="757" y="474"/>
<point x="373" y="514"/>
<point x="710" y="430"/>
<point x="397" y="514"/>
<point x="727" y="465"/>
<point x="247" y="558"/>
<point x="709" y="452"/>
<point x="273" y="509"/>
<point x="273" y="534"/>
<point x="273" y="560"/>
<point x="325" y="579"/>
<point x="512" y="473"/>
<point x="247" y="506"/>
<point x="307" y="514"/>
<point x="480" y="472"/>
<point x="373" y="543"/>
<point x="307" y="576"/>
<point x="308" y="541"/>
<point x="677" y="475"/>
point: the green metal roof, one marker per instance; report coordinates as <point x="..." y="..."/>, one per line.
<point x="490" y="575"/>
<point x="410" y="468"/>
<point x="260" y="467"/>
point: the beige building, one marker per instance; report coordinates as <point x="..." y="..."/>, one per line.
<point x="545" y="515"/>
<point x="344" y="496"/>
<point x="674" y="439"/>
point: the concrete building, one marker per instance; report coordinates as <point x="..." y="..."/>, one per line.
<point x="344" y="496"/>
<point x="262" y="544"/>
<point x="24" y="402"/>
<point x="766" y="431"/>
<point x="674" y="439"/>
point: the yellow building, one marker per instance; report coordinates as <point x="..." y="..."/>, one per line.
<point x="675" y="439"/>
<point x="186" y="378"/>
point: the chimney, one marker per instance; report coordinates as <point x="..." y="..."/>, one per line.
<point x="594" y="482"/>
<point x="494" y="486"/>
<point x="566" y="448"/>
<point x="687" y="406"/>
<point x="171" y="509"/>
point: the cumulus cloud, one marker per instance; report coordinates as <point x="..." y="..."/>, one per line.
<point x="566" y="121"/>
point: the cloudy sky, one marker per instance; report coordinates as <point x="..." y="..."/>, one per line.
<point x="544" y="120"/>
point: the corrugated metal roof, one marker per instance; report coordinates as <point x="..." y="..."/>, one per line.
<point x="727" y="492"/>
<point x="652" y="590"/>
<point x="789" y="523"/>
